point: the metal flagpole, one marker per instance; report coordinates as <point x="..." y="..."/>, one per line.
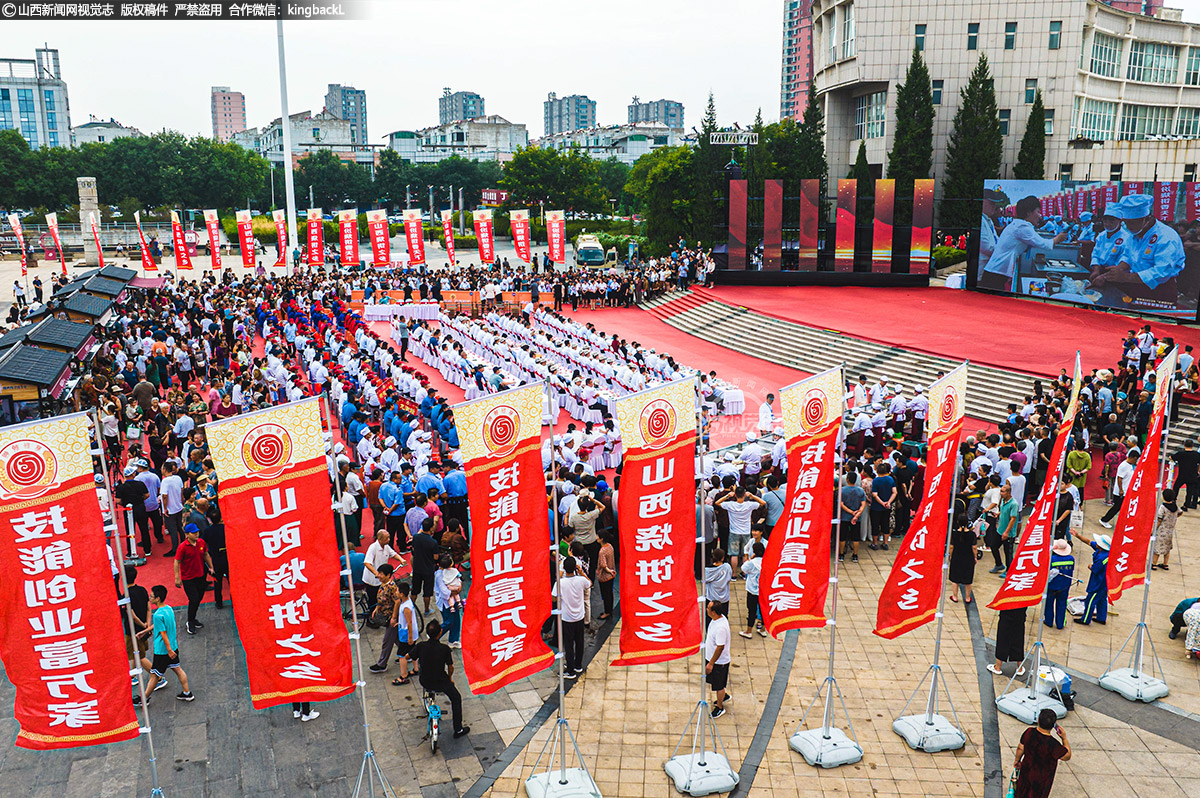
<point x="1132" y="682"/>
<point x="135" y="668"/>
<point x="570" y="781"/>
<point x="289" y="182"/>
<point x="374" y="771"/>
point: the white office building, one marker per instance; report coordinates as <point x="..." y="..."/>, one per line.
<point x="485" y="138"/>
<point x="626" y="143"/>
<point x="33" y="99"/>
<point x="101" y="131"/>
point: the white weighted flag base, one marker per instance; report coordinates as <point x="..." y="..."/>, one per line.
<point x="826" y="748"/>
<point x="929" y="734"/>
<point x="1025" y="704"/>
<point x="701" y="773"/>
<point x="1133" y="685"/>
<point x="569" y="783"/>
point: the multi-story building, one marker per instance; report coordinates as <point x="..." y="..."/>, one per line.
<point x="228" y="112"/>
<point x="564" y="114"/>
<point x="484" y="138"/>
<point x="310" y="133"/>
<point x="1121" y="90"/>
<point x="33" y="99"/>
<point x="666" y="112"/>
<point x="626" y="143"/>
<point x="349" y="103"/>
<point x="797" y="66"/>
<point x="100" y="131"/>
<point x="459" y="106"/>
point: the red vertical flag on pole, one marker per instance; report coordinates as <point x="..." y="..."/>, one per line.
<point x="448" y="234"/>
<point x="414" y="236"/>
<point x="16" y="226"/>
<point x="1192" y="199"/>
<point x="182" y="259"/>
<point x="483" y="235"/>
<point x="795" y="570"/>
<point x="52" y="224"/>
<point x="245" y="229"/>
<point x="1026" y="579"/>
<point x="60" y="634"/>
<point x="910" y="597"/>
<point x="518" y="222"/>
<point x="148" y="263"/>
<point x="212" y="224"/>
<point x="556" y="236"/>
<point x="377" y="231"/>
<point x="348" y="236"/>
<point x="660" y="619"/>
<point x="281" y="236"/>
<point x="96" y="238"/>
<point x="1164" y="201"/>
<point x="501" y="438"/>
<point x="316" y="237"/>
<point x="1135" y="523"/>
<point x="284" y="572"/>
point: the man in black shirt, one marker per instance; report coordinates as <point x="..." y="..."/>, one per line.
<point x="133" y="493"/>
<point x="139" y="602"/>
<point x="437" y="672"/>
<point x="425" y="551"/>
<point x="1187" y="461"/>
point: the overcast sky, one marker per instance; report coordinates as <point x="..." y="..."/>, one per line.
<point x="153" y="75"/>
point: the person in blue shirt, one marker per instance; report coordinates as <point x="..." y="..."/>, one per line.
<point x="408" y="486"/>
<point x="450" y="436"/>
<point x="357" y="558"/>
<point x="428" y="402"/>
<point x="401" y="428"/>
<point x="1086" y="233"/>
<point x="1109" y="243"/>
<point x="431" y="479"/>
<point x="1096" y="603"/>
<point x="1062" y="572"/>
<point x="348" y="411"/>
<point x="454" y="500"/>
<point x="1153" y="256"/>
<point x="391" y="496"/>
<point x="356" y="429"/>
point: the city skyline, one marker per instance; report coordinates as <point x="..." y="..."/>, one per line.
<point x="681" y="66"/>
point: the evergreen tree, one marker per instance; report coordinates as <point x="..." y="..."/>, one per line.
<point x="1031" y="160"/>
<point x="864" y="183"/>
<point x="707" y="162"/>
<point x="811" y="158"/>
<point x="911" y="157"/>
<point x="974" y="152"/>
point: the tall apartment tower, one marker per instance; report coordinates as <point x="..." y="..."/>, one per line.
<point x="459" y="106"/>
<point x="797" y="59"/>
<point x="347" y="102"/>
<point x="564" y="114"/>
<point x="228" y="112"/>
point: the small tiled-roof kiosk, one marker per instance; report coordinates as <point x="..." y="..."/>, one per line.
<point x="34" y="383"/>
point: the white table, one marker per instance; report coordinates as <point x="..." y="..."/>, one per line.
<point x="411" y="310"/>
<point x="735" y="401"/>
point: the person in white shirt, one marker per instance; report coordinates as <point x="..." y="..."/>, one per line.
<point x="377" y="554"/>
<point x="1120" y="488"/>
<point x="862" y="394"/>
<point x="574" y="591"/>
<point x="1019" y="238"/>
<point x="766" y="416"/>
<point x="751" y="458"/>
<point x="716" y="657"/>
<point x="880" y="391"/>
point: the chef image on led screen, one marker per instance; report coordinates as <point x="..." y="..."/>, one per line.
<point x="1152" y="255"/>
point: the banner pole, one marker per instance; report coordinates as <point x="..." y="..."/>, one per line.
<point x="562" y="653"/>
<point x="935" y="668"/>
<point x="1162" y="465"/>
<point x="702" y="447"/>
<point x="835" y="522"/>
<point x="135" y="668"/>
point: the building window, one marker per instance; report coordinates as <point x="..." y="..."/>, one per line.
<point x="28" y="116"/>
<point x="972" y="35"/>
<point x="1189" y="173"/>
<point x="6" y="118"/>
<point x="1115" y="172"/>
<point x="1094" y="119"/>
<point x="870" y="114"/>
<point x="1005" y="118"/>
<point x="1055" y="35"/>
<point x="937" y="92"/>
<point x="1192" y="78"/>
<point x="1049" y="121"/>
<point x="1030" y="90"/>
<point x="1106" y="55"/>
<point x="1010" y="35"/>
<point x="100" y="139"/>
<point x="833" y="36"/>
<point x="1140" y="122"/>
<point x="1187" y="123"/>
<point x="848" y="32"/>
<point x="1066" y="171"/>
<point x="1150" y="62"/>
<point x="920" y="38"/>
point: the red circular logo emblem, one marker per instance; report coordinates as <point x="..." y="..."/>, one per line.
<point x="267" y="451"/>
<point x="657" y="423"/>
<point x="501" y="430"/>
<point x="27" y="469"/>
<point x="815" y="408"/>
<point x="948" y="411"/>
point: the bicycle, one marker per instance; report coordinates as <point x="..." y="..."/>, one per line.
<point x="433" y="714"/>
<point x="361" y="604"/>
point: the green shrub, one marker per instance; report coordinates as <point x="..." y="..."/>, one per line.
<point x="944" y="257"/>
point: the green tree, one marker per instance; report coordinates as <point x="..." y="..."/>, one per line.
<point x="662" y="181"/>
<point x="335" y="183"/>
<point x="911" y="157"/>
<point x="1031" y="160"/>
<point x="613" y="175"/>
<point x="16" y="163"/>
<point x="708" y="180"/>
<point x="865" y="183"/>
<point x="974" y="152"/>
<point x="809" y="160"/>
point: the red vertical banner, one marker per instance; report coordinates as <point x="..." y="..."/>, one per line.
<point x="414" y="236"/>
<point x="1164" y="201"/>
<point x="283" y="553"/>
<point x="52" y="224"/>
<point x="500" y="437"/>
<point x="212" y="224"/>
<point x="182" y="259"/>
<point x="316" y="237"/>
<point x="1135" y="524"/>
<point x="483" y="236"/>
<point x="795" y="570"/>
<point x="910" y="596"/>
<point x="281" y="236"/>
<point x="1025" y="581"/>
<point x="736" y="258"/>
<point x="556" y="236"/>
<point x="380" y="235"/>
<point x="772" y="225"/>
<point x="448" y="234"/>
<point x="60" y="634"/>
<point x="348" y="236"/>
<point x="660" y="619"/>
<point x="1131" y="187"/>
<point x="1045" y="203"/>
<point x="1097" y="200"/>
<point x="810" y="224"/>
<point x="1192" y="192"/>
<point x="885" y="211"/>
<point x="15" y="223"/>
<point x="148" y="263"/>
<point x="1111" y="193"/>
<point x="96" y="238"/>
<point x="518" y="224"/>
<point x="847" y="205"/>
<point x="245" y="230"/>
<point x="922" y="227"/>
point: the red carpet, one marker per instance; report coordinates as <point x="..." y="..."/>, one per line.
<point x="1018" y="334"/>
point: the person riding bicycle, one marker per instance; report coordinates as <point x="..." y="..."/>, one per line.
<point x="437" y="672"/>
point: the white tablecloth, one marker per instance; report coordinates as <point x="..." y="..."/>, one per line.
<point x="412" y="310"/>
<point x="956" y="281"/>
<point x="735" y="401"/>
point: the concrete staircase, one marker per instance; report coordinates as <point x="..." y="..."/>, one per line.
<point x="990" y="390"/>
